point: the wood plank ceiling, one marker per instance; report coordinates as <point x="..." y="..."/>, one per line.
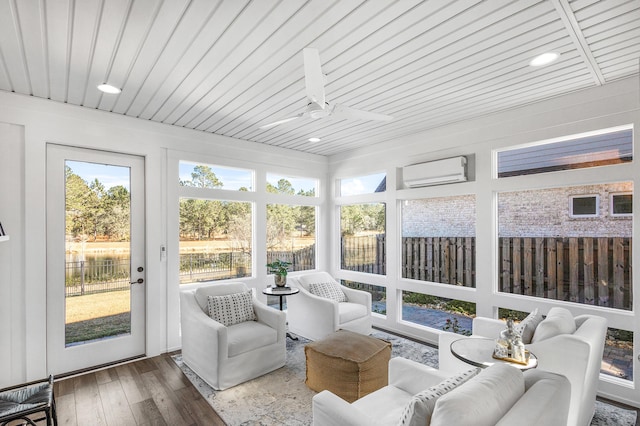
<point x="229" y="66"/>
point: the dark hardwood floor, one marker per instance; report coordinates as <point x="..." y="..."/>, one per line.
<point x="151" y="391"/>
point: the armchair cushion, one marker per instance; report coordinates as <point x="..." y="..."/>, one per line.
<point x="486" y="398"/>
<point x="558" y="321"/>
<point x="528" y="326"/>
<point x="248" y="336"/>
<point x="232" y="309"/>
<point x="418" y="411"/>
<point x="350" y="311"/>
<point x="329" y="290"/>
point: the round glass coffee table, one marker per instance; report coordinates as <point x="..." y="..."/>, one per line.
<point x="479" y="353"/>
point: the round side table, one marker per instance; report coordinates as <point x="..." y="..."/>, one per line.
<point x="282" y="292"/>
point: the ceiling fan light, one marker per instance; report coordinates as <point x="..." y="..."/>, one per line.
<point x="107" y="88"/>
<point x="544" y="59"/>
<point x="315" y="110"/>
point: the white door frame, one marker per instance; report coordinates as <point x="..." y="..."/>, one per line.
<point x="62" y="359"/>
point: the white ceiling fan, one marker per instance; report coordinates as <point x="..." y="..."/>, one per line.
<point x="317" y="106"/>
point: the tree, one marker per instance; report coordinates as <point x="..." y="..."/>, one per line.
<point x="203" y="177"/>
<point x="117" y="207"/>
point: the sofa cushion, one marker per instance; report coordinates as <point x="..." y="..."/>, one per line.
<point x="527" y="326"/>
<point x="558" y="321"/>
<point x="419" y="410"/>
<point x="483" y="400"/>
<point x="232" y="308"/>
<point x="249" y="335"/>
<point x="328" y="290"/>
<point x="350" y="311"/>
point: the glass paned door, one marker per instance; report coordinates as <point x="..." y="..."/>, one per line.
<point x="95" y="284"/>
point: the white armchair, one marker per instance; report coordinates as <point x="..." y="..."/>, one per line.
<point x="315" y="317"/>
<point x="576" y="355"/>
<point x="224" y="356"/>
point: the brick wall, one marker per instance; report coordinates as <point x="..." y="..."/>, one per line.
<point x="440" y="217"/>
<point x="535" y="213"/>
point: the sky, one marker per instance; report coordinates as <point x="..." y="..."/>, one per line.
<point x="361" y="184"/>
<point x="108" y="175"/>
<point x="234" y="179"/>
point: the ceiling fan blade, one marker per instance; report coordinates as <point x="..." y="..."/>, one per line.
<point x="313" y="77"/>
<point x="284" y="120"/>
<point x="341" y="111"/>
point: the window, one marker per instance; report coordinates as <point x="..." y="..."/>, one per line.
<point x="215" y="177"/>
<point x="544" y="252"/>
<point x="215" y="239"/>
<point x="439" y="313"/>
<point x="584" y="205"/>
<point x="291" y="235"/>
<point x="363" y="238"/>
<point x="279" y="184"/>
<point x="368" y="184"/>
<point x="438" y="240"/>
<point x="606" y="147"/>
<point x="378" y="295"/>
<point x="622" y="205"/>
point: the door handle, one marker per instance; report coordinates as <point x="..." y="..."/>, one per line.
<point x="138" y="281"/>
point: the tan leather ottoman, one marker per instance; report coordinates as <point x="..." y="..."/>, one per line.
<point x="348" y="364"/>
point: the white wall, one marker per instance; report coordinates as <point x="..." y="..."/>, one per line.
<point x="26" y="126"/>
<point x="608" y="106"/>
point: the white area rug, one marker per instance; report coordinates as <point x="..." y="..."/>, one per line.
<point x="282" y="398"/>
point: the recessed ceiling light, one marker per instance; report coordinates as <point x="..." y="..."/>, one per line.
<point x="544" y="59"/>
<point x="314" y="139"/>
<point x="107" y="88"/>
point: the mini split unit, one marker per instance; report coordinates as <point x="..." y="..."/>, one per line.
<point x="448" y="170"/>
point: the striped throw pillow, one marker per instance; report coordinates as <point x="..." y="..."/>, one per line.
<point x="418" y="411"/>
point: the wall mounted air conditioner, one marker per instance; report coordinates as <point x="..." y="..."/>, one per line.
<point x="448" y="170"/>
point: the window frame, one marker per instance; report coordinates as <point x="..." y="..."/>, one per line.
<point x="611" y="204"/>
<point x="584" y="216"/>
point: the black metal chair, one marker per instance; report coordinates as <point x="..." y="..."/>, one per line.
<point x="19" y="402"/>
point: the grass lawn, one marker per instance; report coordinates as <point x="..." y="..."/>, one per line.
<point x="95" y="316"/>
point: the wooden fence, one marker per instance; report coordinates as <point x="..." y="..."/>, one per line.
<point x="364" y="254"/>
<point x="301" y="260"/>
<point x="447" y="260"/>
<point x="593" y="271"/>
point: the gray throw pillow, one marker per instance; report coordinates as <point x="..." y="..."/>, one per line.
<point x="232" y="308"/>
<point x="328" y="290"/>
<point x="527" y="326"/>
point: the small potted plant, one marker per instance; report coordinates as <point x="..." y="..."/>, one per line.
<point x="279" y="268"/>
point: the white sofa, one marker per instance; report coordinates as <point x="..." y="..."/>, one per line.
<point x="576" y="355"/>
<point x="315" y="317"/>
<point x="498" y="395"/>
<point x="224" y="356"/>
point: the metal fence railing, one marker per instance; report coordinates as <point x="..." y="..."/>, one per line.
<point x="96" y="276"/>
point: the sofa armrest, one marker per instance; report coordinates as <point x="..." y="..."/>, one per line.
<point x="488" y="327"/>
<point x="202" y="337"/>
<point x="331" y="410"/>
<point x="413" y="377"/>
<point x="272" y="317"/>
<point x="360" y="297"/>
<point x="312" y="316"/>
